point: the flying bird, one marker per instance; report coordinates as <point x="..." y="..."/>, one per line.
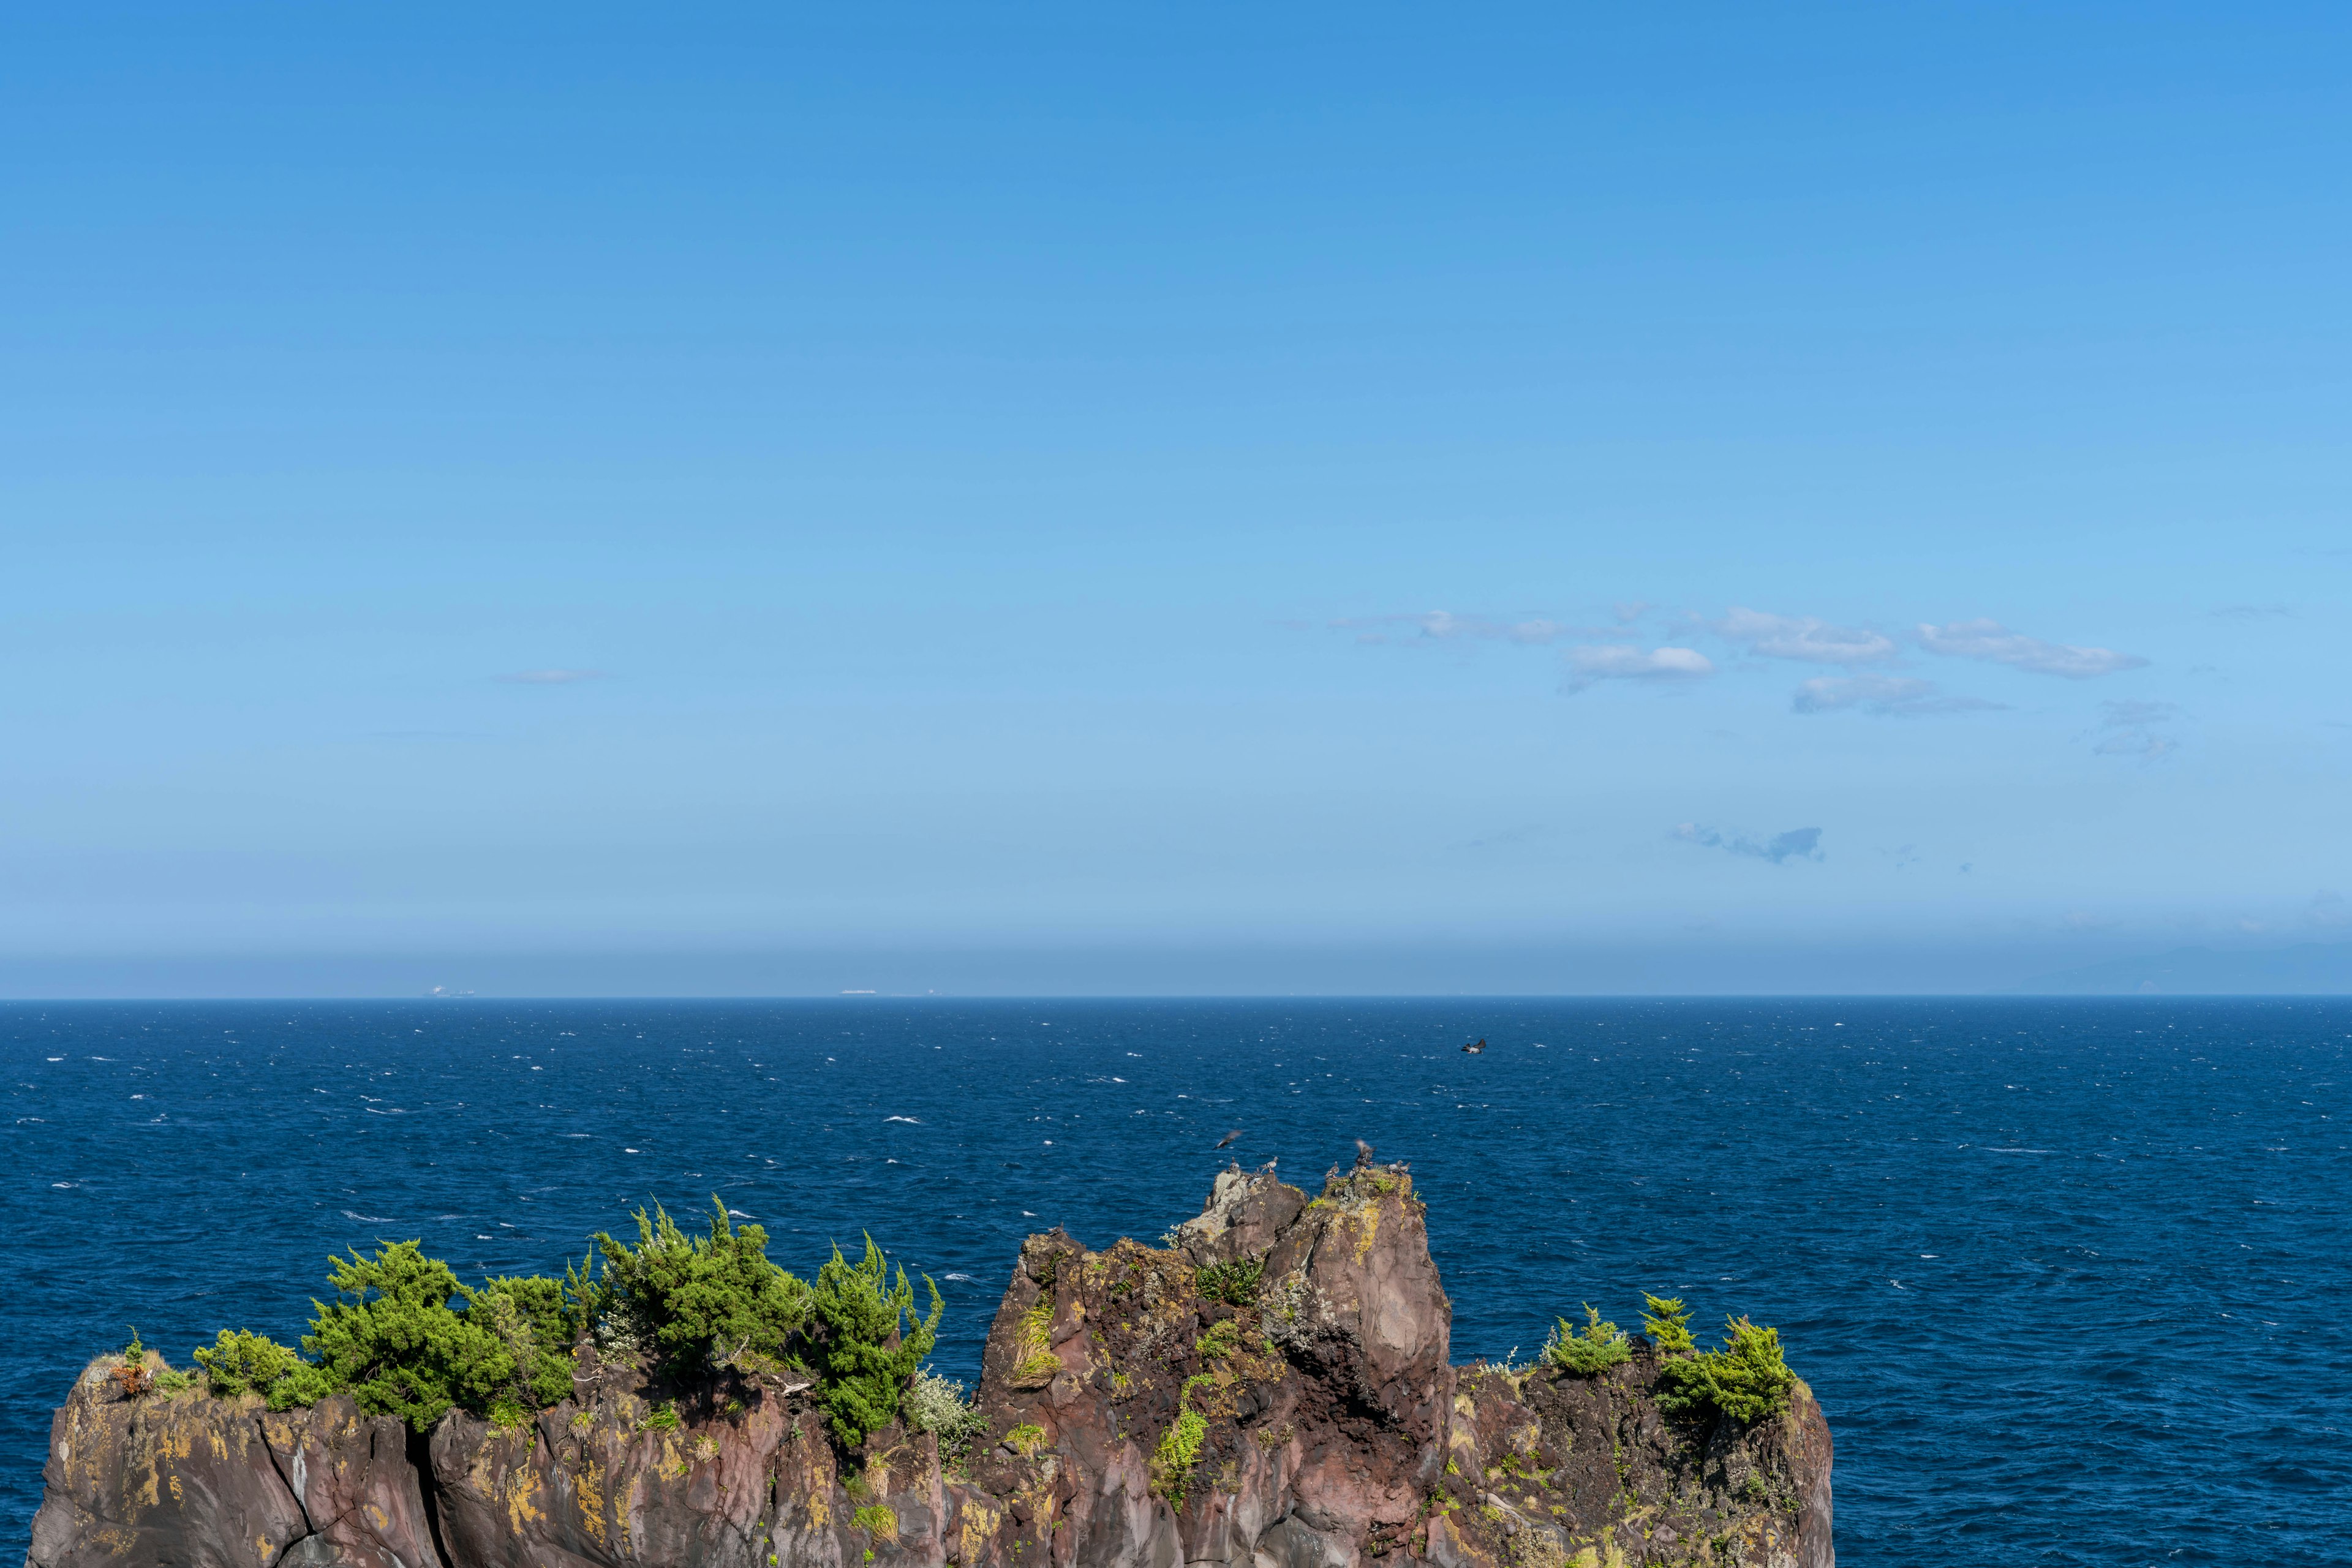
<point x="1229" y="1137"/>
<point x="1363" y="1153"/>
<point x="1477" y="1046"/>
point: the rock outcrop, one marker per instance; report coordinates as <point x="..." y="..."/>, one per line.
<point x="1272" y="1389"/>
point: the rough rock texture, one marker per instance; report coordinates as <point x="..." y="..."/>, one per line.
<point x="1269" y="1390"/>
<point x="192" y="1479"/>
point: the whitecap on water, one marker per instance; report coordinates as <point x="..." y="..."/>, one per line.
<point x="916" y="1119"/>
<point x="963" y="1277"/>
<point x="367" y="1218"/>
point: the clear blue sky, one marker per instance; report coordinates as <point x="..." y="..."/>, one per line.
<point x="537" y="499"/>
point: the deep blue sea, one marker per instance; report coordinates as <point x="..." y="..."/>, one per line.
<point x="2071" y="1279"/>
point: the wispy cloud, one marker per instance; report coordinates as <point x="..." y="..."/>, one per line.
<point x="1996" y="644"/>
<point x="1444" y="625"/>
<point x="1797" y="844"/>
<point x="550" y="676"/>
<point x="1887" y="696"/>
<point x="1524" y="834"/>
<point x="1807" y="638"/>
<point x="2252" y="613"/>
<point x="1624" y="661"/>
<point x="2128" y="728"/>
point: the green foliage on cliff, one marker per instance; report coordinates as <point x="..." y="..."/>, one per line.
<point x="1667" y="1324"/>
<point x="238" y="1362"/>
<point x="1746" y="1379"/>
<point x="405" y="1338"/>
<point x="1600" y="1346"/>
<point x="537" y="1325"/>
<point x="706" y="1300"/>
<point x="858" y="1348"/>
<point x="1178" y="1451"/>
<point x="937" y="1405"/>
<point x="394" y="1342"/>
<point x="1235" y="1283"/>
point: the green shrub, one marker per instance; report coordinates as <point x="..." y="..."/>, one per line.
<point x="1034" y="1360"/>
<point x="937" y="1405"/>
<point x="1178" y="1451"/>
<point x="664" y="1419"/>
<point x="1746" y="1379"/>
<point x="170" y="1382"/>
<point x="1026" y="1439"/>
<point x="1222" y="1340"/>
<point x="405" y="1339"/>
<point x="238" y="1362"/>
<point x="857" y="1311"/>
<point x="534" y="1323"/>
<point x="1667" y="1324"/>
<point x="392" y="1340"/>
<point x="877" y="1519"/>
<point x="134" y="1354"/>
<point x="1600" y="1347"/>
<point x="1235" y="1283"/>
<point x="700" y="1300"/>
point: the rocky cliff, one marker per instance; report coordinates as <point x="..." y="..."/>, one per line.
<point x="1273" y="1390"/>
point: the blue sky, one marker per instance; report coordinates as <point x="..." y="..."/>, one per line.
<point x="1848" y="499"/>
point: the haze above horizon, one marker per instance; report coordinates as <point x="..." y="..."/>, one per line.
<point x="1174" y="502"/>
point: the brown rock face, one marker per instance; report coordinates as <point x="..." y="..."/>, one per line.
<point x="213" y="1483"/>
<point x="1270" y="1391"/>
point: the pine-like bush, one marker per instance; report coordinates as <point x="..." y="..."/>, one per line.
<point x="702" y="1300"/>
<point x="391" y="1339"/>
<point x="865" y="1343"/>
<point x="238" y="1362"/>
<point x="1600" y="1346"/>
<point x="1667" y="1324"/>
<point x="1746" y="1379"/>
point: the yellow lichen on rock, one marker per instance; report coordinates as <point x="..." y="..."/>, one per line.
<point x="589" y="1487"/>
<point x="978" y="1528"/>
<point x="523" y="1481"/>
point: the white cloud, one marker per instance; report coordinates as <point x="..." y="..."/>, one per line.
<point x="1996" y="644"/>
<point x="1808" y="638"/>
<point x="1624" y="661"/>
<point x="1797" y="844"/>
<point x="1888" y="696"/>
<point x="549" y="677"/>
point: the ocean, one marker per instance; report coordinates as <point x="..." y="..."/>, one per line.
<point x="2069" y="1278"/>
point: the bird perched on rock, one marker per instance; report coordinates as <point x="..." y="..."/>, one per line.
<point x="1363" y="1153"/>
<point x="1229" y="1137"/>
